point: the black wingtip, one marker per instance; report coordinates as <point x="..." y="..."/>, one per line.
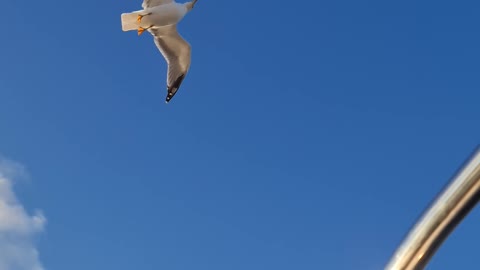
<point x="172" y="90"/>
<point x="169" y="96"/>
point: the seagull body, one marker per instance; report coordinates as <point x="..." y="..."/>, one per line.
<point x="160" y="17"/>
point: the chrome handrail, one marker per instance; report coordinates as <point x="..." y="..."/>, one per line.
<point x="450" y="207"/>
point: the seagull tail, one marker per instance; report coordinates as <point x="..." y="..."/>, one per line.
<point x="129" y="21"/>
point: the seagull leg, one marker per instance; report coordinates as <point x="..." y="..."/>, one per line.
<point x="140" y="17"/>
<point x="141" y="29"/>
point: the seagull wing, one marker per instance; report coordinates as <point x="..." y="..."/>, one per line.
<point x="151" y="3"/>
<point x="177" y="53"/>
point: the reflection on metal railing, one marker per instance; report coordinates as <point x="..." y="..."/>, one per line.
<point x="446" y="212"/>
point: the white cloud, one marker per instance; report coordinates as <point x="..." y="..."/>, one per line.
<point x="17" y="227"/>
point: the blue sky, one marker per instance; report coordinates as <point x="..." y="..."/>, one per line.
<point x="306" y="135"/>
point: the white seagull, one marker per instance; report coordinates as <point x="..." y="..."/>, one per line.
<point x="160" y="18"/>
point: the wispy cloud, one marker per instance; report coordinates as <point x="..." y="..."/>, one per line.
<point x="17" y="227"/>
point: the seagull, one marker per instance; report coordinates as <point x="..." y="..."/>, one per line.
<point x="160" y="18"/>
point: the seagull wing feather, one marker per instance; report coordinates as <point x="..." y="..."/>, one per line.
<point x="152" y="3"/>
<point x="177" y="53"/>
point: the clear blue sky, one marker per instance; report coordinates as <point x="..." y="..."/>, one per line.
<point x="307" y="135"/>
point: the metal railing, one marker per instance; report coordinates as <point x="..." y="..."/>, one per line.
<point x="450" y="207"/>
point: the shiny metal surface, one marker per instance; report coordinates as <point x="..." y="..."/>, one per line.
<point x="447" y="211"/>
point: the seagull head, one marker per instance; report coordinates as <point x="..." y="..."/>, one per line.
<point x="190" y="4"/>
